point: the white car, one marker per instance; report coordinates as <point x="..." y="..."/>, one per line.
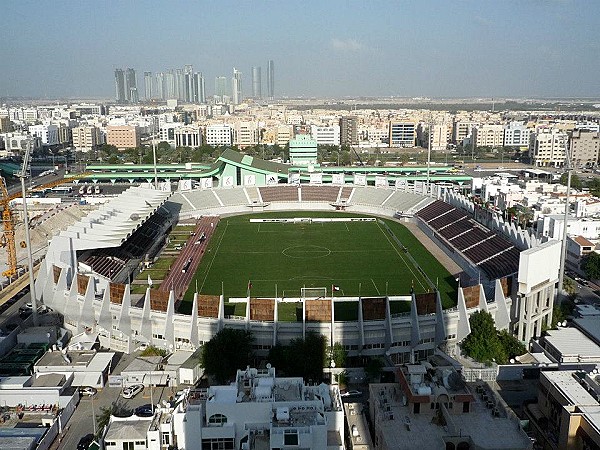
<point x="351" y="394"/>
<point x="132" y="391"/>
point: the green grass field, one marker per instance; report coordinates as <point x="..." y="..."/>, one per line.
<point x="359" y="257"/>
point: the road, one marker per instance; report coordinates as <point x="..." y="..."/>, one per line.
<point x="82" y="421"/>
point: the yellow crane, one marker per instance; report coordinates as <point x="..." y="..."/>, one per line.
<point x="8" y="224"/>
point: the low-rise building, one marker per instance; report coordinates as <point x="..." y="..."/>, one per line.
<point x="219" y="134"/>
<point x="432" y="407"/>
<point x="567" y="413"/>
<point x="123" y="137"/>
<point x="89" y="368"/>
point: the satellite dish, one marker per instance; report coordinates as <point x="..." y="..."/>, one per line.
<point x="134" y="216"/>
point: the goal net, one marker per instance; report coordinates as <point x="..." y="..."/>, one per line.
<point x="313" y="292"/>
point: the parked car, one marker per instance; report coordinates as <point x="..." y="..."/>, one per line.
<point x="132" y="391"/>
<point x="144" y="411"/>
<point x="88" y="391"/>
<point x="85" y="442"/>
<point x="352" y="393"/>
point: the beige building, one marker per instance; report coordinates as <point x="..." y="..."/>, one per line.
<point x="547" y="147"/>
<point x="489" y="135"/>
<point x="567" y="414"/>
<point x="584" y="147"/>
<point x="123" y="137"/>
<point x="86" y="138"/>
<point x="245" y="134"/>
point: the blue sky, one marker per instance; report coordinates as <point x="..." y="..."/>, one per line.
<point x="434" y="48"/>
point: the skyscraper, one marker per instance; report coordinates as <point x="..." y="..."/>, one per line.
<point x="148" y="84"/>
<point x="271" y="79"/>
<point x="188" y="93"/>
<point x="169" y="85"/>
<point x="131" y="93"/>
<point x="221" y="90"/>
<point x="199" y="89"/>
<point x="179" y="85"/>
<point x="120" y="86"/>
<point x="256" y="83"/>
<point x="236" y="87"/>
<point x="160" y="86"/>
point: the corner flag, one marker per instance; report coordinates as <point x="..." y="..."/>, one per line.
<point x="335" y="287"/>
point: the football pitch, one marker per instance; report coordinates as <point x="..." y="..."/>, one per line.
<point x="361" y="258"/>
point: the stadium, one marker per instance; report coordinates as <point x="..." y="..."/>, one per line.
<point x="383" y="269"/>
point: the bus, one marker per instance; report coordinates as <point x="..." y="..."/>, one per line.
<point x="63" y="190"/>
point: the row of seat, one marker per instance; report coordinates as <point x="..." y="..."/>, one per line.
<point x="492" y="253"/>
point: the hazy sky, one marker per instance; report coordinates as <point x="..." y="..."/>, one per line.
<point x="435" y="48"/>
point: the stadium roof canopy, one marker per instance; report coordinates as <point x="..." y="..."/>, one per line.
<point x="115" y="221"/>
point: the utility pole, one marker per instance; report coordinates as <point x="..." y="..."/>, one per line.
<point x="22" y="174"/>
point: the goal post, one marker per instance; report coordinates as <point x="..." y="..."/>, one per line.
<point x="311" y="293"/>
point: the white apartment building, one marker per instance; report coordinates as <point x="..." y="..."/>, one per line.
<point x="188" y="136"/>
<point x="257" y="411"/>
<point x="552" y="225"/>
<point x="86" y="138"/>
<point x="245" y="134"/>
<point x="547" y="147"/>
<point x="219" y="134"/>
<point x="167" y="130"/>
<point x="488" y="135"/>
<point x="326" y="135"/>
<point x="516" y="134"/>
<point x="48" y="133"/>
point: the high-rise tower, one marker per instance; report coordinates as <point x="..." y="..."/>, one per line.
<point x="271" y="79"/>
<point x="199" y="88"/>
<point x="256" y="83"/>
<point x="148" y="85"/>
<point x="120" y="86"/>
<point x="221" y="91"/>
<point x="131" y="93"/>
<point x="236" y="87"/>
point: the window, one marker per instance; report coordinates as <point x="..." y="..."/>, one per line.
<point x="217" y="419"/>
<point x="166" y="439"/>
<point x="290" y="437"/>
<point x="128" y="446"/>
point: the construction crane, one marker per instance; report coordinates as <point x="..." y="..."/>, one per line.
<point x="8" y="238"/>
<point x="8" y="224"/>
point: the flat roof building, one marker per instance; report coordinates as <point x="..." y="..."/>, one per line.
<point x="123" y="137"/>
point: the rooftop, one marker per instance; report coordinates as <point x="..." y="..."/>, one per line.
<point x="401" y="429"/>
<point x="128" y="429"/>
<point x="570" y="342"/>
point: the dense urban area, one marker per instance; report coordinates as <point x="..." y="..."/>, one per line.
<point x="246" y="271"/>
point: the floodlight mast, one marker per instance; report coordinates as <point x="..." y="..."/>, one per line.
<point x="22" y="174"/>
<point x="563" y="249"/>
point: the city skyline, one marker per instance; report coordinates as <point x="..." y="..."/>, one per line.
<point x="436" y="49"/>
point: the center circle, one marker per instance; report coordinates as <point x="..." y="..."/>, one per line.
<point x="306" y="251"/>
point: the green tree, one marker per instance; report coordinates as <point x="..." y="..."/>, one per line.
<point x="339" y="355"/>
<point x="151" y="350"/>
<point x="512" y="346"/>
<point x="592" y="266"/>
<point x="483" y="344"/>
<point x="594" y="186"/>
<point x="302" y="357"/>
<point x="228" y="351"/>
<point x="576" y="182"/>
